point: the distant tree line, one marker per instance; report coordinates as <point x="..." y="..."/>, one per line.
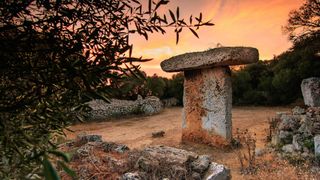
<point x="277" y="82"/>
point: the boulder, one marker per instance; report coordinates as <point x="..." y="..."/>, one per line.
<point x="298" y="111"/>
<point x="151" y="105"/>
<point x="84" y="151"/>
<point x="169" y="154"/>
<point x="289" y="122"/>
<point x="311" y="91"/>
<point x="158" y="134"/>
<point x="297" y="142"/>
<point x="217" y="172"/>
<point x="306" y="128"/>
<point x="260" y="151"/>
<point x="288" y="148"/>
<point x="223" y="56"/>
<point x="285" y="137"/>
<point x="85" y="138"/>
<point x="147" y="164"/>
<point x="182" y="163"/>
<point x="114" y="147"/>
<point x="131" y="176"/>
<point x="201" y="164"/>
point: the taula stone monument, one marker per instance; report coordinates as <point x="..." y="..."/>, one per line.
<point x="208" y="91"/>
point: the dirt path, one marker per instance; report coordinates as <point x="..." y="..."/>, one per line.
<point x="136" y="131"/>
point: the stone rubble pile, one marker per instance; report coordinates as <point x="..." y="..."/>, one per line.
<point x="298" y="132"/>
<point x="155" y="162"/>
<point x="117" y="108"/>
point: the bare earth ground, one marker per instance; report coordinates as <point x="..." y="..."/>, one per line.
<point x="136" y="133"/>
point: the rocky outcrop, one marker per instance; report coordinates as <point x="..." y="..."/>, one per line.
<point x="311" y="91"/>
<point x="118" y="108"/>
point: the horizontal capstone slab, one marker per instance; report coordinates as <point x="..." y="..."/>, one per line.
<point x="223" y="56"/>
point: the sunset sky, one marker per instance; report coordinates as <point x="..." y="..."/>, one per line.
<point x="255" y="23"/>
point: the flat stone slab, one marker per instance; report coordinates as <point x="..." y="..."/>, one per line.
<point x="223" y="56"/>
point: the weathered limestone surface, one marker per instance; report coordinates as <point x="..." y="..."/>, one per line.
<point x="224" y="56"/>
<point x="207" y="106"/>
<point x="311" y="91"/>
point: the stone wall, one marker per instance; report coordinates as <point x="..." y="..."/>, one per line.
<point x="297" y="133"/>
<point x="117" y="108"/>
<point x="170" y="102"/>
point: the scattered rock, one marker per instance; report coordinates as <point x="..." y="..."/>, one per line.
<point x="260" y="152"/>
<point x="147" y="164"/>
<point x="311" y="91"/>
<point x="179" y="171"/>
<point x="170" y="102"/>
<point x="298" y="111"/>
<point x="115" y="163"/>
<point x="306" y="128"/>
<point x="280" y="114"/>
<point x="84" y="150"/>
<point x="317" y="146"/>
<point x="201" y="164"/>
<point x="285" y="137"/>
<point x="158" y="134"/>
<point x="289" y="123"/>
<point x="151" y="105"/>
<point x="170" y="155"/>
<point x="158" y="162"/>
<point x="196" y="176"/>
<point x="297" y="142"/>
<point x="288" y="148"/>
<point x="131" y="176"/>
<point x="113" y="147"/>
<point x="84" y="138"/>
<point x="217" y="172"/>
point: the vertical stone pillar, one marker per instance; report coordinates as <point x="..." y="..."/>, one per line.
<point x="208" y="103"/>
